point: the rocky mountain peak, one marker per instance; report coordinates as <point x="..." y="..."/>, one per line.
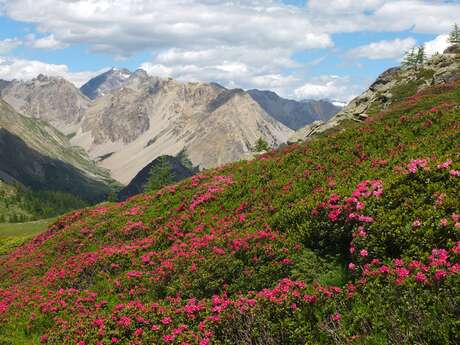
<point x="111" y="81"/>
<point x="52" y="99"/>
<point x="292" y="113"/>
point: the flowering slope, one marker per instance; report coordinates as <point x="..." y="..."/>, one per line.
<point x="352" y="238"/>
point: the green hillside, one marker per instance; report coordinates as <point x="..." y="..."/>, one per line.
<point x="18" y="204"/>
<point x="39" y="157"/>
<point x="351" y="238"/>
<point x="13" y="235"/>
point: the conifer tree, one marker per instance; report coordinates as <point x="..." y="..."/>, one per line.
<point x="421" y="55"/>
<point x="161" y="175"/>
<point x="261" y="145"/>
<point x="410" y="60"/>
<point x="454" y="36"/>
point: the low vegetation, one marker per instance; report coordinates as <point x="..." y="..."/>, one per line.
<point x="13" y="235"/>
<point x="18" y="204"/>
<point x="351" y="238"/>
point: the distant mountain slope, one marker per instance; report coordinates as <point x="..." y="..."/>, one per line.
<point x="294" y="114"/>
<point x="137" y="184"/>
<point x="130" y="118"/>
<point x="149" y="117"/>
<point x="38" y="156"/>
<point x="3" y="84"/>
<point x="109" y="81"/>
<point x="51" y="99"/>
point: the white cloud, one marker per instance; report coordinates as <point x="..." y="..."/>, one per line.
<point x="13" y="68"/>
<point x="393" y="49"/>
<point x="329" y="86"/>
<point x="421" y="16"/>
<point x="438" y="45"/>
<point x="47" y="42"/>
<point x="243" y="67"/>
<point x="8" y="44"/>
<point x="347" y="6"/>
<point x="123" y="27"/>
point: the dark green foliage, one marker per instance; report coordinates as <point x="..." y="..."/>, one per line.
<point x="18" y="204"/>
<point x="454" y="36"/>
<point x="415" y="58"/>
<point x="261" y="145"/>
<point x="162" y="171"/>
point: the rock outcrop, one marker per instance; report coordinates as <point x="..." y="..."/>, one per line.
<point x="52" y="99"/>
<point x="149" y="117"/>
<point x="392" y="85"/>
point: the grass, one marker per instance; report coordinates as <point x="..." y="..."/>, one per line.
<point x="13" y="235"/>
<point x="28" y="229"/>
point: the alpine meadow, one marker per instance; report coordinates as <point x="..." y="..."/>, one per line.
<point x="196" y="201"/>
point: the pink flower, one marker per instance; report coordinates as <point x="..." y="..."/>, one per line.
<point x="366" y="219"/>
<point x="416" y="224"/>
<point x="420" y="277"/>
<point x="352" y="249"/>
<point x="439" y="274"/>
<point x="415" y="164"/>
<point x="363" y="253"/>
<point x="334" y="215"/>
<point x="309" y="298"/>
<point x="168" y="338"/>
<point x="455" y="173"/>
<point x="115" y="340"/>
<point x="384" y="269"/>
<point x="138" y="332"/>
<point x="362" y="232"/>
<point x="402" y="272"/>
<point x="351" y="266"/>
<point x="166" y="320"/>
<point x="445" y="165"/>
<point x="125" y="322"/>
<point x="455" y="217"/>
<point x="155" y="328"/>
<point x="443" y="222"/>
<point x="336" y="317"/>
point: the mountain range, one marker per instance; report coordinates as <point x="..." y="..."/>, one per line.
<point x="36" y="155"/>
<point x="124" y="120"/>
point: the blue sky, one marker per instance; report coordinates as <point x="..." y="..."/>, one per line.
<point x="300" y="49"/>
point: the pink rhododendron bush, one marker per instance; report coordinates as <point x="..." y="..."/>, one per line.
<point x="351" y="238"/>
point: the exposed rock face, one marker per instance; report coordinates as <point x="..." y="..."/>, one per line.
<point x="394" y="84"/>
<point x="453" y="49"/>
<point x="291" y="113"/>
<point x="51" y="99"/>
<point x="38" y="156"/>
<point x="305" y="132"/>
<point x="109" y="81"/>
<point x="132" y="118"/>
<point x="149" y="117"/>
<point x="137" y="185"/>
<point x="3" y="84"/>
